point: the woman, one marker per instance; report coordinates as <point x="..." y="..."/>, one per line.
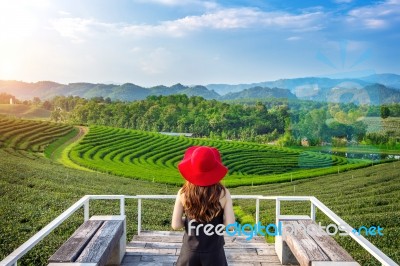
<point x="207" y="206"/>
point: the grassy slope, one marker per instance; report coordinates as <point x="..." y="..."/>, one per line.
<point x="34" y="192"/>
<point x="54" y="149"/>
<point x="377" y="124"/>
<point x="24" y="111"/>
<point x="368" y="196"/>
<point x="355" y="149"/>
<point x="152" y="156"/>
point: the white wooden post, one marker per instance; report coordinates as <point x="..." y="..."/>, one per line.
<point x="313" y="211"/>
<point x="277" y="211"/>
<point x="86" y="210"/>
<point x="139" y="216"/>
<point x="122" y="205"/>
<point x="257" y="210"/>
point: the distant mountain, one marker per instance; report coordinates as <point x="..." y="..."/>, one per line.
<point x="350" y="92"/>
<point x="291" y="84"/>
<point x="164" y="90"/>
<point x="380" y="94"/>
<point x="259" y="92"/>
<point x="25" y="90"/>
<point x="389" y="80"/>
<point x="124" y="92"/>
<point x="200" y="91"/>
<point x="375" y="89"/>
<point x="128" y="92"/>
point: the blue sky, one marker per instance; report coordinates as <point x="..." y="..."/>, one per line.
<point x="152" y="42"/>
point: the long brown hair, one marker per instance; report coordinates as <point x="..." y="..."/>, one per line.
<point x="202" y="203"/>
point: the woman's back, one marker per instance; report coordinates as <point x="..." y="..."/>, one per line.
<point x="202" y="237"/>
<point x="206" y="205"/>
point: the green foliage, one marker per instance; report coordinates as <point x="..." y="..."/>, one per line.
<point x="29" y="135"/>
<point x="383" y="132"/>
<point x="5" y="98"/>
<point x="24" y="111"/>
<point x="367" y="196"/>
<point x="176" y="113"/>
<point x="317" y="126"/>
<point x="34" y="190"/>
<point x="55" y="145"/>
<point x="154" y="157"/>
<point x="242" y="217"/>
<point x="339" y="142"/>
<point x="390" y="125"/>
<point x="385" y="111"/>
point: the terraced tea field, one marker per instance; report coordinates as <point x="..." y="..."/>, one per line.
<point x="380" y="125"/>
<point x="34" y="192"/>
<point x="154" y="157"/>
<point x="26" y="136"/>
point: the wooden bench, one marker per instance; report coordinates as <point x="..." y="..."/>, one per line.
<point x="97" y="242"/>
<point x="309" y="247"/>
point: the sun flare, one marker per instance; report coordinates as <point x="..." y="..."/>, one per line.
<point x="16" y="23"/>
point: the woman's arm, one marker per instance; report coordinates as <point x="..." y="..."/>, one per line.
<point x="177" y="222"/>
<point x="229" y="216"/>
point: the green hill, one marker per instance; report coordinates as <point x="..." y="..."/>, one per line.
<point x="34" y="192"/>
<point x="390" y="125"/>
<point x="154" y="157"/>
<point x="24" y="111"/>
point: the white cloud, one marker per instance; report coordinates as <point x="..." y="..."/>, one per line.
<point x="377" y="16"/>
<point x="78" y="29"/>
<point x="375" y="23"/>
<point x="64" y="13"/>
<point x="223" y="19"/>
<point x="343" y="1"/>
<point x="293" y="38"/>
<point x="205" y="4"/>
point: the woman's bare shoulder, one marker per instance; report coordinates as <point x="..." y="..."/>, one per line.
<point x="181" y="196"/>
<point x="224" y="196"/>
<point x="225" y="193"/>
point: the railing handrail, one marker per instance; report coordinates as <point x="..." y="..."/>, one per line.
<point x="373" y="250"/>
<point x="84" y="202"/>
<point x="28" y="245"/>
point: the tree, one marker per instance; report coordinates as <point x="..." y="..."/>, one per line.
<point x="5" y="98"/>
<point x="47" y="105"/>
<point x="36" y="100"/>
<point x="385" y="111"/>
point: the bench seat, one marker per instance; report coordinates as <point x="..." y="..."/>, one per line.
<point x="315" y="247"/>
<point x="99" y="241"/>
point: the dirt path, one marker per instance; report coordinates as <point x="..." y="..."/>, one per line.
<point x="56" y="154"/>
<point x="82" y="132"/>
<point x="63" y="155"/>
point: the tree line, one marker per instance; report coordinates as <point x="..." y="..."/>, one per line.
<point x="175" y="113"/>
<point x="259" y="122"/>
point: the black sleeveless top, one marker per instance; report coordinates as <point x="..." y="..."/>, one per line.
<point x="203" y="242"/>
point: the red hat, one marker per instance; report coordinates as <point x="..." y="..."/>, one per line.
<point x="202" y="166"/>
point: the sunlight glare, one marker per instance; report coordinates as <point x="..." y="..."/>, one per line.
<point x="16" y="22"/>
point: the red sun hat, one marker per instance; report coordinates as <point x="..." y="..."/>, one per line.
<point x="202" y="166"/>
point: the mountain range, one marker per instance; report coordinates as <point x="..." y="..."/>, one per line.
<point x="374" y="89"/>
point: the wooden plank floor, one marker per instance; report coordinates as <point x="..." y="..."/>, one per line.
<point x="163" y="247"/>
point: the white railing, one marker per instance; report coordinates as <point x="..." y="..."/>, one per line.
<point x="13" y="258"/>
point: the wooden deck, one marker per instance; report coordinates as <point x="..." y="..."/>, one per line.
<point x="163" y="247"/>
